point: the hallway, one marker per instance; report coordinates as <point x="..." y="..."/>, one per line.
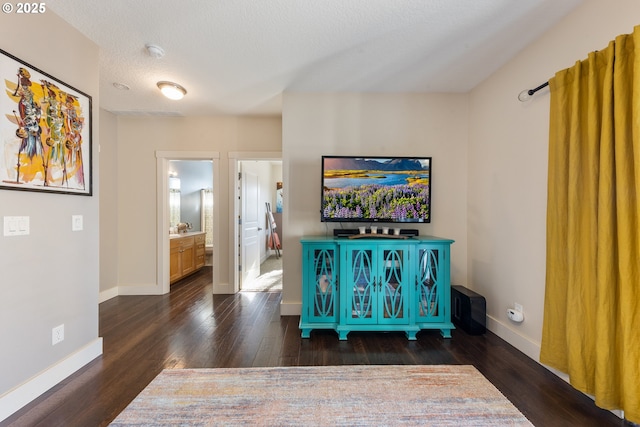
<point x="270" y="279"/>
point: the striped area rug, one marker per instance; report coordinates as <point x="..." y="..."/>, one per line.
<point x="362" y="395"/>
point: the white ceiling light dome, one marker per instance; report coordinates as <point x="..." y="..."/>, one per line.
<point x="172" y="90"/>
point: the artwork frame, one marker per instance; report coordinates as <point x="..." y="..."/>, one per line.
<point x="279" y="196"/>
<point x="46" y="130"/>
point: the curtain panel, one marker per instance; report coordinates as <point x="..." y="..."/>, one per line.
<point x="591" y="327"/>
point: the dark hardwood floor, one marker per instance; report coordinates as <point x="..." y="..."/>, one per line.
<point x="190" y="328"/>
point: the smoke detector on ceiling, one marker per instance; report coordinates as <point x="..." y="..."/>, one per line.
<point x="121" y="86"/>
<point x="155" y="51"/>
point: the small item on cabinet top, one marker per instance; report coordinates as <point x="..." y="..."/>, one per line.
<point x="182" y="227"/>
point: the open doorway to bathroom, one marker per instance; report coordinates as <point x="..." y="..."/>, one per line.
<point x="181" y="178"/>
<point x="258" y="201"/>
<point x="191" y="201"/>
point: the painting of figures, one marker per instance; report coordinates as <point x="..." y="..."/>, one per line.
<point x="45" y="132"/>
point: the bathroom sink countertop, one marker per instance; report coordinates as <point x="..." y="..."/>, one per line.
<point x="188" y="233"/>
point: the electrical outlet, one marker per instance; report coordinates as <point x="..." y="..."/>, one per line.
<point x="76" y="223"/>
<point x="518" y="307"/>
<point x="57" y="334"/>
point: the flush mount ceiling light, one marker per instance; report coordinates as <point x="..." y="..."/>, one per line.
<point x="172" y="90"/>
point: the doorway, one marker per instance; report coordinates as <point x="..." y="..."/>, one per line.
<point x="191" y="200"/>
<point x="163" y="162"/>
<point x="257" y="176"/>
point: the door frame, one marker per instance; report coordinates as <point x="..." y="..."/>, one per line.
<point x="234" y="206"/>
<point x="162" y="211"/>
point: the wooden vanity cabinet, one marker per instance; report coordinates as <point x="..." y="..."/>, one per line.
<point x="186" y="255"/>
<point x="199" y="251"/>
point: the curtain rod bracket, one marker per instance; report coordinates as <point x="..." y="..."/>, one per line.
<point x="526" y="94"/>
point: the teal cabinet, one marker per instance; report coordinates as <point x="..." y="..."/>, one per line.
<point x="375" y="284"/>
<point x="432" y="301"/>
<point x="375" y="289"/>
<point x="320" y="286"/>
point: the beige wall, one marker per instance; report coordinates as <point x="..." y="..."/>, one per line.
<point x="508" y="148"/>
<point x="49" y="277"/>
<point x="371" y="125"/>
<point x="490" y="158"/>
<point x="108" y="205"/>
<point x="138" y="140"/>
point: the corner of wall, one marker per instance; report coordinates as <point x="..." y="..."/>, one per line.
<point x="107" y="294"/>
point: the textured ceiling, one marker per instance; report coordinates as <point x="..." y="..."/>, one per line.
<point x="239" y="56"/>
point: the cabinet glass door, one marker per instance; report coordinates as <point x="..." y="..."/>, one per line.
<point x="392" y="278"/>
<point x="324" y="280"/>
<point x="430" y="285"/>
<point x="360" y="279"/>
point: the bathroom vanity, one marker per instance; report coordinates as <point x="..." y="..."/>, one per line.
<point x="186" y="254"/>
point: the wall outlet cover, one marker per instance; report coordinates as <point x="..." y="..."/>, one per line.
<point x="77" y="223"/>
<point x="57" y="334"/>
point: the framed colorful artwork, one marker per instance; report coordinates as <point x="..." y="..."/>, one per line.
<point x="45" y="132"/>
<point x="279" y="196"/>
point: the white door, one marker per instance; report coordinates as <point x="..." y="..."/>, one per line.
<point x="250" y="237"/>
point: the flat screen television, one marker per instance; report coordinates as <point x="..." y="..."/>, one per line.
<point x="376" y="189"/>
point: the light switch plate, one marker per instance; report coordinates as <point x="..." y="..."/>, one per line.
<point x="76" y="223"/>
<point x="16" y="225"/>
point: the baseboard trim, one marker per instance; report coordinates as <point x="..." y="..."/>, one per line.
<point x="150" y="290"/>
<point x="108" y="294"/>
<point x="531" y="349"/>
<point x="290" y="308"/>
<point x="15" y="399"/>
<point x="140" y="290"/>
<point x="223" y="289"/>
<point x="519" y="341"/>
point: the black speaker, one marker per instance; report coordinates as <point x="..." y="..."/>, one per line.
<point x="346" y="232"/>
<point x="468" y="310"/>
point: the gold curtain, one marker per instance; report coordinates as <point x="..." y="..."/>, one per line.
<point x="591" y="328"/>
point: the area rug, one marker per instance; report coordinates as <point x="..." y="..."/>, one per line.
<point x="362" y="395"/>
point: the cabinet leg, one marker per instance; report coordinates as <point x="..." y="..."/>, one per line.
<point x="342" y="335"/>
<point x="306" y="333"/>
<point x="446" y="333"/>
<point x="411" y="335"/>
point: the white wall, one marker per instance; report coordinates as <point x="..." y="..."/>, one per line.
<point x="51" y="276"/>
<point x="508" y="150"/>
<point x="372" y="125"/>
